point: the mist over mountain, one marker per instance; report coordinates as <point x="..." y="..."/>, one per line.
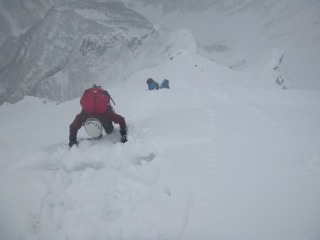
<point x="43" y="43"/>
<point x="237" y="33"/>
<point x="115" y="55"/>
<point x="45" y="48"/>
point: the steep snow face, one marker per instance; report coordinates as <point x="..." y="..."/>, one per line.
<point x="268" y="70"/>
<point x="109" y="58"/>
<point x="208" y="158"/>
<point x="48" y="44"/>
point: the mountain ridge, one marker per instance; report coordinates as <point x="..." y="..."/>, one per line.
<point x="48" y="43"/>
<point x="239" y="33"/>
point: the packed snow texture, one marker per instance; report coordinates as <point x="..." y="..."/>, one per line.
<point x="213" y="157"/>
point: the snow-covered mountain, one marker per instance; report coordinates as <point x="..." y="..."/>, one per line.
<point x="110" y="57"/>
<point x="213" y="157"/>
<point x="225" y="153"/>
<point x="47" y="45"/>
<point x="40" y="41"/>
<point x="237" y="33"/>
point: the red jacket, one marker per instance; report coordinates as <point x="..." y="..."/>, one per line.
<point x="105" y="118"/>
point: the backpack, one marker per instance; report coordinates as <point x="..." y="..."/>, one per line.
<point x="95" y="100"/>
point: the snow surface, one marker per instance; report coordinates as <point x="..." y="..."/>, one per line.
<point x="211" y="158"/>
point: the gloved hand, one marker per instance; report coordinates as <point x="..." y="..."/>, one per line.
<point x="71" y="143"/>
<point x="123" y="133"/>
<point x="124" y="139"/>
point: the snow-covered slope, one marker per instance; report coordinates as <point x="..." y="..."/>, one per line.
<point x="209" y="158"/>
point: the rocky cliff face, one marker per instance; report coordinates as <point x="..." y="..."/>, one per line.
<point x="95" y="55"/>
<point x="46" y="47"/>
<point x="107" y="58"/>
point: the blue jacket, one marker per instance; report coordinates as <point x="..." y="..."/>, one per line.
<point x="153" y="85"/>
<point x="165" y="84"/>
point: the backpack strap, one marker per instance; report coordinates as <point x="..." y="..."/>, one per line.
<point x="106" y="92"/>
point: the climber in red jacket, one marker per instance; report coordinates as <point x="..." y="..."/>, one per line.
<point x="96" y="113"/>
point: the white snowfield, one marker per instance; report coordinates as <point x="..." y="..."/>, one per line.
<point x="210" y="158"/>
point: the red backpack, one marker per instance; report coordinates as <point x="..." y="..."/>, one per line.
<point x="95" y="100"/>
